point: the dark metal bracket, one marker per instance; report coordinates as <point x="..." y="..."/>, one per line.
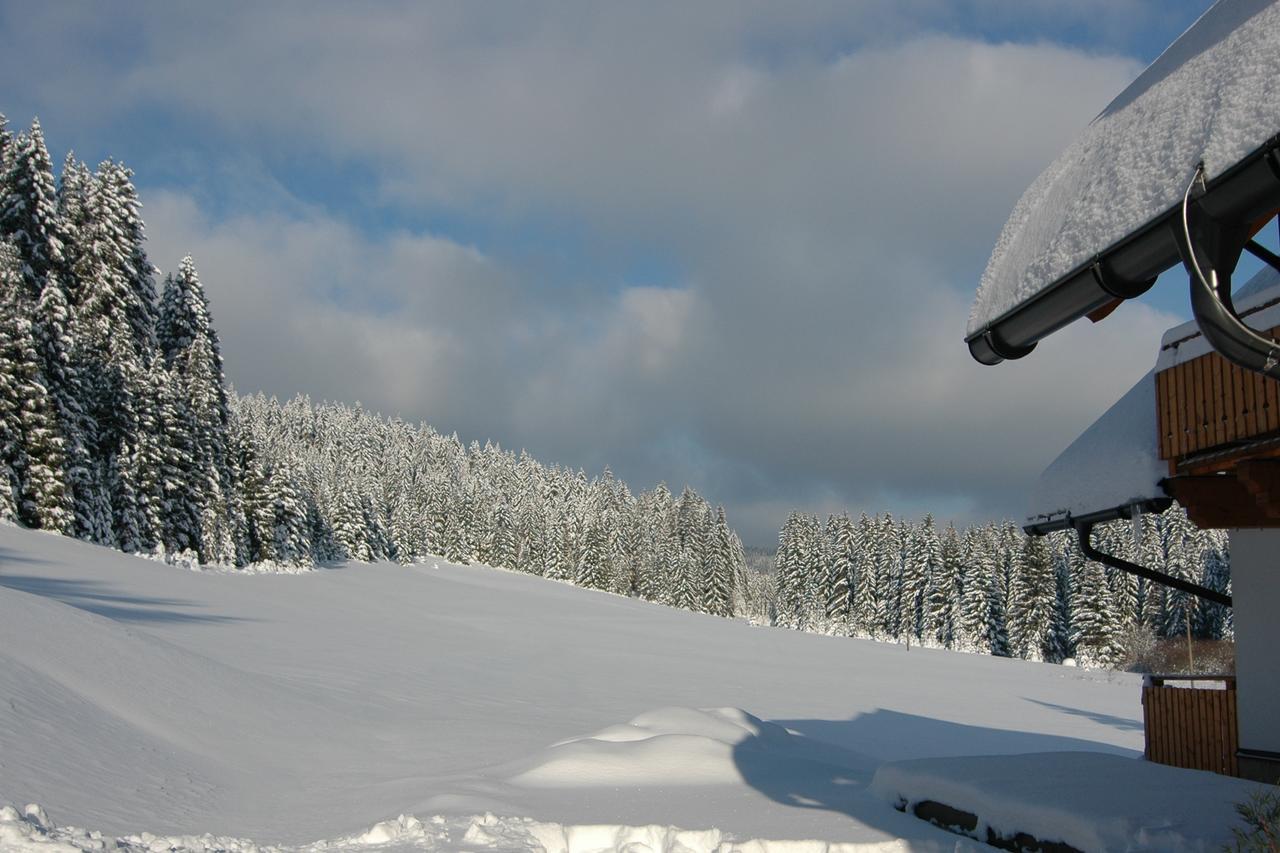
<point x="1084" y="530"/>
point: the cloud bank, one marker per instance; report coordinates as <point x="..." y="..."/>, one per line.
<point x="727" y="245"/>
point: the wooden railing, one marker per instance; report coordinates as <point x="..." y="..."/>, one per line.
<point x="1208" y="402"/>
<point x="1191" y="727"/>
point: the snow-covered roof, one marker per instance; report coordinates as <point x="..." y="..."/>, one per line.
<point x="1213" y="96"/>
<point x="1115" y="463"/>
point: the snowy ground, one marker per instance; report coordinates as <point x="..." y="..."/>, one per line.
<point x="290" y="708"/>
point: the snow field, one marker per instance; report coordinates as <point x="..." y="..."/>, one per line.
<point x="290" y="708"/>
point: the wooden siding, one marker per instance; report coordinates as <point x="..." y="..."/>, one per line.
<point x="1191" y="727"/>
<point x="1209" y="402"/>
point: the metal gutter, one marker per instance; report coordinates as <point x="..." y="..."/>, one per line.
<point x="1053" y="522"/>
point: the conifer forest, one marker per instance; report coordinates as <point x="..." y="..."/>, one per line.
<point x="117" y="427"/>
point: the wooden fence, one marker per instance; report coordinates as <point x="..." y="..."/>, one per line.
<point x="1191" y="727"/>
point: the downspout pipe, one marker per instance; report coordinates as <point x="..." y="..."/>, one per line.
<point x="1084" y="530"/>
<point x="1209" y="250"/>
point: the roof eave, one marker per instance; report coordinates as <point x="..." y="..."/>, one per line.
<point x="1247" y="191"/>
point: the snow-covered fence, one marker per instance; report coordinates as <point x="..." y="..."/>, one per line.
<point x="1192" y="727"/>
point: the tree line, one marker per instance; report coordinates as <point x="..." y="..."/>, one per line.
<point x="990" y="589"/>
<point x="117" y="427"/>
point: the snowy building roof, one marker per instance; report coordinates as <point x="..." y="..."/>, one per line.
<point x="1113" y="465"/>
<point x="1212" y="97"/>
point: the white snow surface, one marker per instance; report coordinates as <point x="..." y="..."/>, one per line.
<point x="445" y="707"/>
<point x="1056" y="797"/>
<point x="1212" y="96"/>
<point x="1113" y="463"/>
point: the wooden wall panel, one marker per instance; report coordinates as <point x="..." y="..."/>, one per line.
<point x="1208" y="402"/>
<point x="1191" y="727"/>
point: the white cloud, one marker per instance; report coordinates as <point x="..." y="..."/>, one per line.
<point x="825" y="180"/>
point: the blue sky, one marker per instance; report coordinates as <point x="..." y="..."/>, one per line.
<point x="729" y="245"/>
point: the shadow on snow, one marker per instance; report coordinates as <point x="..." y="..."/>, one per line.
<point x="833" y="764"/>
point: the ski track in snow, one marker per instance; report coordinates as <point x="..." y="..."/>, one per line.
<point x="286" y="709"/>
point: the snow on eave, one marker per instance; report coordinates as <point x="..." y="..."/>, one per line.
<point x="1213" y="96"/>
<point x="1114" y="463"/>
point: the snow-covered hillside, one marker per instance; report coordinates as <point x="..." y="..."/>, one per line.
<point x="288" y="708"/>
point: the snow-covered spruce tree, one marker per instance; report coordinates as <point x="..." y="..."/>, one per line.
<point x="971" y="625"/>
<point x="865" y="601"/>
<point x="1058" y="644"/>
<point x="29" y="220"/>
<point x="720" y="565"/>
<point x="193" y="358"/>
<point x="1032" y="600"/>
<point x="592" y="570"/>
<point x="29" y="210"/>
<point x="1214" y="620"/>
<point x="33" y="490"/>
<point x="1182" y="541"/>
<point x="842" y="547"/>
<point x="947" y="590"/>
<point x="1096" y="621"/>
<point x="890" y="558"/>
<point x="926" y="554"/>
<point x="787" y="569"/>
<point x="115" y="314"/>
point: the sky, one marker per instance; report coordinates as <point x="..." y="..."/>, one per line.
<point x="729" y="245"/>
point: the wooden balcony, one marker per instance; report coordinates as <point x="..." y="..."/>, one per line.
<point x="1208" y="403"/>
<point x="1219" y="430"/>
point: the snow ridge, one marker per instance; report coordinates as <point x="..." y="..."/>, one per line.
<point x="31" y="831"/>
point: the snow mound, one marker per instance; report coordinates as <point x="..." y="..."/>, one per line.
<point x="1057" y="797"/>
<point x="1212" y="96"/>
<point x="669" y="746"/>
<point x="286" y="709"/>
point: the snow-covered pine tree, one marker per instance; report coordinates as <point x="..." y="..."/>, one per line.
<point x="1058" y="645"/>
<point x="1032" y="599"/>
<point x="1184" y="552"/>
<point x="1096" y="618"/>
<point x="814" y="573"/>
<point x="1214" y="619"/>
<point x="891" y="569"/>
<point x="592" y="570"/>
<point x="947" y="590"/>
<point x="865" y="605"/>
<point x="979" y="571"/>
<point x="31" y="460"/>
<point x="843" y="546"/>
<point x="787" y="568"/>
<point x="928" y="554"/>
<point x="719" y="590"/>
<point x="29" y="210"/>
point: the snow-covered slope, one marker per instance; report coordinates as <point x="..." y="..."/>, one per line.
<point x="285" y="709"/>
